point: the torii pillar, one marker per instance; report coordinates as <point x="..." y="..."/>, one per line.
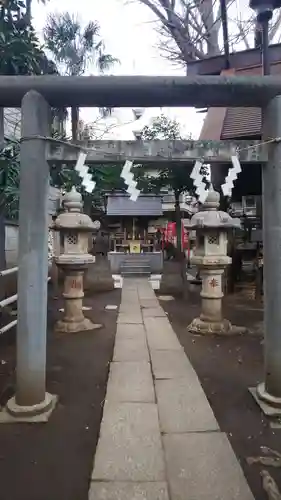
<point x="268" y="393"/>
<point x="31" y="401"/>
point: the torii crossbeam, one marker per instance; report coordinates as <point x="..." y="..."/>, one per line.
<point x="143" y="91"/>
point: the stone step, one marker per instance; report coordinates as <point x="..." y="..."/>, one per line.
<point x="136" y="256"/>
<point x="127" y="267"/>
<point x="134" y="273"/>
<point x="138" y="268"/>
<point x="142" y="262"/>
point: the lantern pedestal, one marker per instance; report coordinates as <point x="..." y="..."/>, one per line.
<point x="211" y="259"/>
<point x="211" y="320"/>
<point x="74" y="320"/>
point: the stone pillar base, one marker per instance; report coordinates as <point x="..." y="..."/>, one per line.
<point x="223" y="327"/>
<point x="63" y="326"/>
<point x="269" y="405"/>
<point x="267" y="397"/>
<point x="28" y="412"/>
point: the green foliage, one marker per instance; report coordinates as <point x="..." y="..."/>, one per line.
<point x="162" y="127"/>
<point x="172" y="176"/>
<point x="20" y="50"/>
<point x="18" y="10"/>
<point x="10" y="179"/>
<point x="107" y="178"/>
<point x="73" y="46"/>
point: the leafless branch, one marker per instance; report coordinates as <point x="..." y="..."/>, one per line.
<point x="275" y="26"/>
<point x="190" y="29"/>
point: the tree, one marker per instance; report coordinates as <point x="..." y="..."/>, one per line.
<point x="74" y="48"/>
<point x="175" y="176"/>
<point x="20" y="54"/>
<point x="161" y="128"/>
<point x="28" y="9"/>
<point x="191" y="28"/>
<point x="18" y="10"/>
<point x="20" y="50"/>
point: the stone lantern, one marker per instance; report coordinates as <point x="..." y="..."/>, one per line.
<point x="212" y="226"/>
<point x="74" y="228"/>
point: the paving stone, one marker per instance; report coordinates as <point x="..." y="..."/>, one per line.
<point x="146" y="296"/>
<point x="171" y="365"/>
<point x="129" y="318"/>
<point x="129" y="331"/>
<point x="183" y="406"/>
<point x="130" y="381"/>
<point x="130" y="301"/>
<point x="128" y="491"/>
<point x="129" y="297"/>
<point x="127" y="305"/>
<point x="131" y="349"/>
<point x="146" y="292"/>
<point x="131" y="309"/>
<point x="203" y="466"/>
<point x="129" y="447"/>
<point x="154" y="312"/>
<point x="160" y="334"/>
<point x="149" y="303"/>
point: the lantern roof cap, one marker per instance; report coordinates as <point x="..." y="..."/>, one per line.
<point x="212" y="201"/>
<point x="73" y="217"/>
<point x="72" y="201"/>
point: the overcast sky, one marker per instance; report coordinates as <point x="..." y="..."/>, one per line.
<point x="128" y="29"/>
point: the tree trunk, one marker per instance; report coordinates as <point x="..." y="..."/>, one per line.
<point x="180" y="253"/>
<point x="74" y="123"/>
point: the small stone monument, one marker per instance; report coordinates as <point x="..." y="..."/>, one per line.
<point x="74" y="228"/>
<point x="210" y="256"/>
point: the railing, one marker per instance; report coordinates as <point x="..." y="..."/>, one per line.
<point x="9" y="300"/>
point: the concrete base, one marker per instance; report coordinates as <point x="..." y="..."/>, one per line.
<point x="270" y="405"/>
<point x="13" y="413"/>
<point x="75" y="327"/>
<point x="154" y="280"/>
<point x="223" y="327"/>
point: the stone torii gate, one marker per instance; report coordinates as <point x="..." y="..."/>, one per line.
<point x="35" y="95"/>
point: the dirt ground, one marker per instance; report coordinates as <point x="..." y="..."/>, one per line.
<point x="53" y="461"/>
<point x="227" y="367"/>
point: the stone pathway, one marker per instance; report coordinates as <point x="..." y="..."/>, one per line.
<point x="159" y="439"/>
